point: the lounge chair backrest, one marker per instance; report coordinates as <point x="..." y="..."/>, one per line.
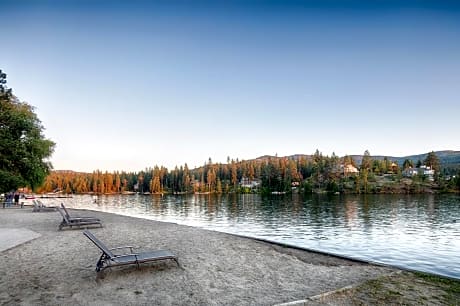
<point x="63" y="215"/>
<point x="36" y="206"/>
<point x="65" y="210"/>
<point x="98" y="243"/>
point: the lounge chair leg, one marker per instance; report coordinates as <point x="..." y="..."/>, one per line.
<point x="100" y="264"/>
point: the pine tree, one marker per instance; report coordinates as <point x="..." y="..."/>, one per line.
<point x="366" y="161"/>
<point x="432" y="161"/>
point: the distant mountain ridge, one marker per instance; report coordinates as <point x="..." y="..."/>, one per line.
<point x="447" y="158"/>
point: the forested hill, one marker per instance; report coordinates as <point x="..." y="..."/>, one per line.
<point x="267" y="174"/>
<point x="448" y="158"/>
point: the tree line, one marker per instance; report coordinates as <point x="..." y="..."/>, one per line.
<point x="314" y="173"/>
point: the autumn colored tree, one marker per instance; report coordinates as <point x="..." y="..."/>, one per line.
<point x="186" y="179"/>
<point x="124" y="184"/>
<point x="140" y="180"/>
<point x="311" y="173"/>
<point x="117" y="183"/>
<point x="348" y="160"/>
<point x="366" y="162"/>
<point x="234" y="175"/>
<point x="219" y="186"/>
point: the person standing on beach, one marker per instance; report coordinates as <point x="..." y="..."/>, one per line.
<point x="16" y="198"/>
<point x="9" y="199"/>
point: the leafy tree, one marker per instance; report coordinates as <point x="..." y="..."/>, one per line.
<point x="24" y="150"/>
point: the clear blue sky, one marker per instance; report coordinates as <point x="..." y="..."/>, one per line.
<point x="126" y="85"/>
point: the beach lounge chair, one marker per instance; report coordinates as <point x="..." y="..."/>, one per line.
<point x="78" y="221"/>
<point x="78" y="217"/>
<point x="109" y="259"/>
<point x="40" y="207"/>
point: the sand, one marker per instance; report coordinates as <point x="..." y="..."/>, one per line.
<point x="58" y="267"/>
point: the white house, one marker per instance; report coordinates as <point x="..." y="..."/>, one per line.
<point x="409" y="172"/>
<point x="423" y="170"/>
<point x="245" y="182"/>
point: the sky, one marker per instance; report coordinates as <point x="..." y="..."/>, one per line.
<point x="127" y="85"/>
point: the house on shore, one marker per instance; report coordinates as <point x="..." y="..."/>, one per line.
<point x="349" y="169"/>
<point x="423" y="170"/>
<point x="247" y="183"/>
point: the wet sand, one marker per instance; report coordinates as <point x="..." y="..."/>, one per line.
<point x="58" y="267"/>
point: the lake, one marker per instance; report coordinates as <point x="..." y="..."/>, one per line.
<point x="419" y="232"/>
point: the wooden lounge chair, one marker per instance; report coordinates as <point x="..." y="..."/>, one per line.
<point x="40" y="207"/>
<point x="109" y="259"/>
<point x="78" y="222"/>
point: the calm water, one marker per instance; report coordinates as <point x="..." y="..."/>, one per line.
<point x="416" y="232"/>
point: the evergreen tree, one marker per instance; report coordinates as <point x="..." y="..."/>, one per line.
<point x="366" y="161"/>
<point x="432" y="161"/>
<point x="364" y="179"/>
<point x="407" y="164"/>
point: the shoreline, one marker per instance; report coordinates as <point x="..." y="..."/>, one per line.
<point x="265" y="240"/>
<point x="396" y="191"/>
<point x="216" y="268"/>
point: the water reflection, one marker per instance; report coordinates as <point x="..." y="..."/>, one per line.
<point x="413" y="231"/>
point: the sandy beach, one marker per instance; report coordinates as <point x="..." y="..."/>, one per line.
<point x="58" y="267"/>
